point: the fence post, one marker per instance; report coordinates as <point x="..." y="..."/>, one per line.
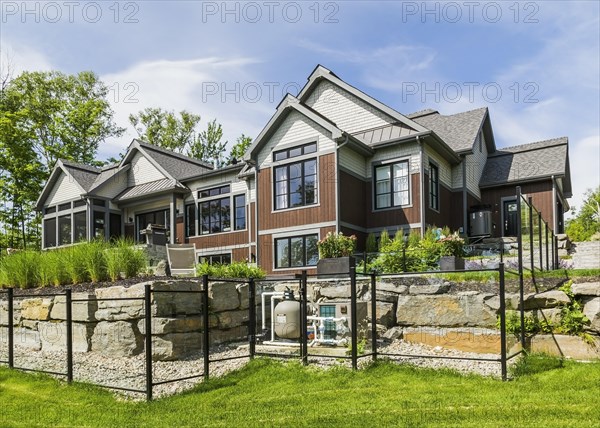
<point x="353" y="319"/>
<point x="540" y="240"/>
<point x="365" y="255"/>
<point x="556" y="258"/>
<point x="11" y="331"/>
<point x="205" y="332"/>
<point x="303" y="320"/>
<point x="502" y="322"/>
<point x="554" y="266"/>
<point x="148" y="339"/>
<point x="547" y="249"/>
<point x="69" y="313"/>
<point x="520" y="261"/>
<point x="531" y="247"/>
<point x="252" y="316"/>
<point x="374" y="315"/>
<point x="404" y="257"/>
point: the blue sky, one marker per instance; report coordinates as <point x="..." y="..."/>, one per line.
<point x="535" y="65"/>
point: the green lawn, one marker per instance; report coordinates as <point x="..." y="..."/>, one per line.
<point x="268" y="393"/>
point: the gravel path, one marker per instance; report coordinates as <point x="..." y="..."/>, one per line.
<point x="129" y="372"/>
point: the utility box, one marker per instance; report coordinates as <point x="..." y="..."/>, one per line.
<point x="338" y="330"/>
<point x="480" y="223"/>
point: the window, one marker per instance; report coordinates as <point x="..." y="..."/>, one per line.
<point x="296" y="184"/>
<point x="215" y="191"/>
<point x="49" y="210"/>
<point x="79" y="203"/>
<point x="190" y="220"/>
<point x="99" y="202"/>
<point x="64" y="230"/>
<point x="98" y="225"/>
<point x="216" y="259"/>
<point x="295" y="152"/>
<point x="239" y="207"/>
<point x="215" y="215"/>
<point x="296" y="251"/>
<point x="434" y="187"/>
<point x="391" y="185"/>
<point x="50" y="232"/>
<point x="114" y="225"/>
<point x="63" y="207"/>
<point x="80" y="224"/>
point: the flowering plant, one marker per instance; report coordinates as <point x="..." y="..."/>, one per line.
<point x="336" y="245"/>
<point x="452" y="245"/>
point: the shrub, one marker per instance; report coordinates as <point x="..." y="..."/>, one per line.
<point x="233" y="270"/>
<point x="20" y="269"/>
<point x="50" y="269"/>
<point x="336" y="245"/>
<point x="124" y="259"/>
<point x="94" y="258"/>
<point x="74" y="263"/>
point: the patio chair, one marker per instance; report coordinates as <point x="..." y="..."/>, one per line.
<point x="182" y="259"/>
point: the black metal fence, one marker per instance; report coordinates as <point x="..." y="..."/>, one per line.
<point x="304" y="353"/>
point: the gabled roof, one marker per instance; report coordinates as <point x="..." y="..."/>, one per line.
<point x="82" y="175"/>
<point x="529" y="162"/>
<point x="288" y="104"/>
<point x="320" y="73"/>
<point x="459" y="130"/>
<point x="107" y="174"/>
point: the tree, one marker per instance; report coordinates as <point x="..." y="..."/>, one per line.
<point x="587" y="222"/>
<point x="164" y="129"/>
<point x="208" y="146"/>
<point x="45" y="116"/>
<point x="239" y="149"/>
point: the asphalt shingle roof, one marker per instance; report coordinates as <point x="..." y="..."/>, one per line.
<point x="85" y="175"/>
<point x="177" y="165"/>
<point x="526" y="162"/>
<point x="459" y="130"/>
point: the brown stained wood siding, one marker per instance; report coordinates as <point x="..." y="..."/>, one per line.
<point x="239" y="254"/>
<point x="361" y="237"/>
<point x="394" y="217"/>
<point x="540" y="193"/>
<point x="267" y="261"/>
<point x="353" y="195"/>
<point x="448" y="204"/>
<point x="323" y="211"/>
<point x="217" y="240"/>
<point x="179" y="235"/>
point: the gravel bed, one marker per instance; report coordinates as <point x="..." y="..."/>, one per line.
<point x="129" y="372"/>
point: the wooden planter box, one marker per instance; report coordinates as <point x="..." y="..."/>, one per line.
<point x="452" y="263"/>
<point x="339" y="265"/>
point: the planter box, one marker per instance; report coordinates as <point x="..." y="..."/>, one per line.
<point x="339" y="265"/>
<point x="452" y="263"/>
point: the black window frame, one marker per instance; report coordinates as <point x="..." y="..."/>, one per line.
<point x="65" y="236"/>
<point x="221" y="221"/>
<point x="289" y="239"/>
<point x="296" y="151"/>
<point x="239" y="212"/>
<point x="190" y="223"/>
<point x="391" y="191"/>
<point x="211" y="259"/>
<point x="434" y="187"/>
<point x="50" y="225"/>
<point x="78" y="226"/>
<point x="287" y="166"/>
<point x="139" y="226"/>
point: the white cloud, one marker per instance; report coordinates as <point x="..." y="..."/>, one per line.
<point x="19" y="57"/>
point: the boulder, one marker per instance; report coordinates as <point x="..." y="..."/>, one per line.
<point x="586" y="289"/>
<point x="565" y="346"/>
<point x="385" y="313"/>
<point x="511" y="301"/>
<point x="394" y="333"/>
<point x="429" y="288"/>
<point x="462" y="309"/>
<point x="237" y="334"/>
<point x="37" y="308"/>
<point x="161" y="268"/>
<point x="4" y="312"/>
<point x="477" y="340"/>
<point x="80" y="311"/>
<point x="342" y="291"/>
<point x="547" y="299"/>
<point x="552" y="315"/>
<point x="176" y="298"/>
<point x="591" y="309"/>
<point x="27" y="338"/>
<point x="380" y="328"/>
<point x="174" y="346"/>
<point x="117" y="339"/>
<point x="172" y="325"/>
<point x="392" y="287"/>
<point x="223" y="296"/>
<point x="231" y="319"/>
<point x="243" y="293"/>
<point x="118" y="310"/>
<point x="53" y="336"/>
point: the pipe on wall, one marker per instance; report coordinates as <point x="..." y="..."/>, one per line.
<point x="421" y="186"/>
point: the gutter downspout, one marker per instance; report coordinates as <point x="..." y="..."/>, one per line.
<point x="421" y="186"/>
<point x="464" y="193"/>
<point x="337" y="185"/>
<point x="256" y="243"/>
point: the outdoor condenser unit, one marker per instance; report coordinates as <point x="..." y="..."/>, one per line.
<point x="481" y="223"/>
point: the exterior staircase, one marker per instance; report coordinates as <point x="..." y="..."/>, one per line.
<point x="586" y="255"/>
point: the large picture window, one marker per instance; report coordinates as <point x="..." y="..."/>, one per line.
<point x="296" y="251"/>
<point x="296" y="184"/>
<point x="215" y="215"/>
<point x="160" y="217"/>
<point x="391" y="185"/>
<point x="50" y="232"/>
<point x="64" y="230"/>
<point x="434" y="187"/>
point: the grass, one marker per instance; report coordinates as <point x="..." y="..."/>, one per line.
<point x="491" y="275"/>
<point x="268" y="393"/>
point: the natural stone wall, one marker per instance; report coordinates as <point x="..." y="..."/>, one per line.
<point x="102" y="323"/>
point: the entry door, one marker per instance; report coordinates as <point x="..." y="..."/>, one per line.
<point x="510" y="218"/>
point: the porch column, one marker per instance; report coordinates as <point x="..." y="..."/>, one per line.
<point x="173" y="219"/>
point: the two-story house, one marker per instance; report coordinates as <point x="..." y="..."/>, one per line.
<point x="331" y="159"/>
